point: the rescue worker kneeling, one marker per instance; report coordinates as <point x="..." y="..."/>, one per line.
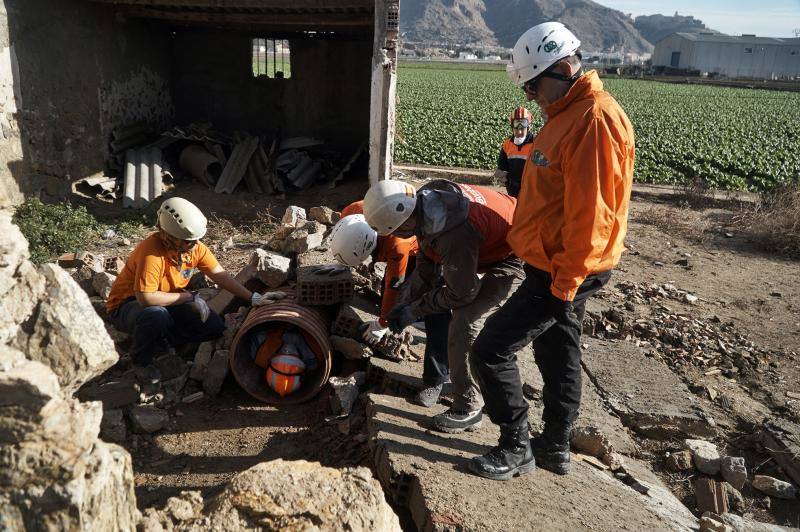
<point x="461" y="231"/>
<point x="148" y="299"/>
<point x="352" y="242"/>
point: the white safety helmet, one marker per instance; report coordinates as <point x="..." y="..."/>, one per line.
<point x="388" y="204"/>
<point x="538" y="49"/>
<point x="181" y="219"/>
<point x="352" y="240"/>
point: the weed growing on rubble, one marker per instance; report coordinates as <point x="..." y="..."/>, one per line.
<point x="52" y="229"/>
<point x="775" y="221"/>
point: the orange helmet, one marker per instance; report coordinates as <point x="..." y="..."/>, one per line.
<point x="520" y="113"/>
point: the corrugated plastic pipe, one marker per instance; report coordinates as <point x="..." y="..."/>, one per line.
<point x="251" y="377"/>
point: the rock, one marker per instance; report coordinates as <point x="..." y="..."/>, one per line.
<point x="101" y="282"/>
<point x="84" y="277"/>
<point x="314" y="227"/>
<point x="705" y="455"/>
<point x="294" y="216"/>
<point x="345" y="392"/>
<point x="277" y="244"/>
<point x="734" y="471"/>
<point x="707" y="524"/>
<point x="282" y="232"/>
<point x="113" y="428"/>
<point x="201" y="360"/>
<point x="271" y="268"/>
<point x="66" y="334"/>
<point x="591" y="441"/>
<point x="54" y="472"/>
<point x="216" y="373"/>
<point x="351" y="349"/>
<point x="690" y="298"/>
<point x="774" y="487"/>
<point x="680" y="461"/>
<point x="735" y="499"/>
<point x="324" y="215"/>
<point x="20" y="297"/>
<point x="186" y="507"/>
<point x="741" y="524"/>
<point x="614" y="461"/>
<point x="233" y="321"/>
<point x="300" y="495"/>
<point x="710" y="495"/>
<point x="301" y="241"/>
<point x="148" y="419"/>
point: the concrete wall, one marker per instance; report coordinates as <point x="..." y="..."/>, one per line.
<point x="70" y="71"/>
<point x="327" y="95"/>
<point x="730" y="58"/>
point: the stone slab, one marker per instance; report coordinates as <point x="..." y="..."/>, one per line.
<point x="781" y="438"/>
<point x="645" y="393"/>
<point x="426" y="472"/>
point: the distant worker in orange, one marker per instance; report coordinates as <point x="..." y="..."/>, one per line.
<point x="568" y="228"/>
<point x="516" y="151"/>
<point x="352" y="242"/>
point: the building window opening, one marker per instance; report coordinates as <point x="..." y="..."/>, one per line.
<point x="271" y="58"/>
<point x="748" y="50"/>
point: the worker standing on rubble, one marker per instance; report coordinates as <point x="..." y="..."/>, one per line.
<point x="569" y="229"/>
<point x="352" y="242"/>
<point x="148" y="299"/>
<point x="516" y="151"/>
<point x="461" y="231"/>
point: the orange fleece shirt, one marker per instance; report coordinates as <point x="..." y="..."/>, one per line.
<point x="153" y="268"/>
<point x="572" y="210"/>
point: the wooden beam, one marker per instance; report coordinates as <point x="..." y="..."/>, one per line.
<point x="263" y="5"/>
<point x="311" y="22"/>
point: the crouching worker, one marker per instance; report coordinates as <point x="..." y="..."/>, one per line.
<point x="461" y="231"/>
<point x="148" y="298"/>
<point x="352" y="242"/>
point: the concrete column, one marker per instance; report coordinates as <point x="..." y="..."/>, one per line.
<point x="382" y="96"/>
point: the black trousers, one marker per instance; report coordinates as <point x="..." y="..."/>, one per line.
<point x="555" y="330"/>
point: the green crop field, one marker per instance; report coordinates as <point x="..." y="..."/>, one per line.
<point x="745" y="139"/>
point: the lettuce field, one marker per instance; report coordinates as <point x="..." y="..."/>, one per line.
<point x="731" y="138"/>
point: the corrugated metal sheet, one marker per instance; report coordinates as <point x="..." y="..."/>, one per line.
<point x="237" y="166"/>
<point x="738" y="39"/>
<point x="142" y="177"/>
<point x="252" y="6"/>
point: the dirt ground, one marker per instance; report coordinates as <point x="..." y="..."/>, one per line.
<point x="700" y="250"/>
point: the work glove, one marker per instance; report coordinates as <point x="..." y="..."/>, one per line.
<point x="258" y="300"/>
<point x="562" y="311"/>
<point x="373" y="332"/>
<point x="200" y="306"/>
<point x="401" y="317"/>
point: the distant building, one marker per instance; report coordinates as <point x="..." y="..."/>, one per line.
<point x="467" y="56"/>
<point x="747" y="56"/>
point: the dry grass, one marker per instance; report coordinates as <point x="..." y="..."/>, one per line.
<point x="774" y="223"/>
<point x="681" y="221"/>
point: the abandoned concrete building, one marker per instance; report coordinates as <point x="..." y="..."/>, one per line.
<point x="74" y="73"/>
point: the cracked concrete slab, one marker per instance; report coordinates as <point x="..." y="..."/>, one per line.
<point x="425" y="471"/>
<point x="647" y="396"/>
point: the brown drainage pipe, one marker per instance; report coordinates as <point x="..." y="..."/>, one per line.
<point x="251" y="377"/>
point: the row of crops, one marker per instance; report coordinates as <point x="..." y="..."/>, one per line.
<point x="730" y="138"/>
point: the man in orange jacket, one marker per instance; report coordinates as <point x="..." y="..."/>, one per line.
<point x="568" y="228"/>
<point x="516" y="151"/>
<point x="352" y="242"/>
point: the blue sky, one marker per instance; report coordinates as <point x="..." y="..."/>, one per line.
<point x="767" y="18"/>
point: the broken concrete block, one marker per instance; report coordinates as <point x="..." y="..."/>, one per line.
<point x="774" y="487"/>
<point x="345" y="392"/>
<point x="314" y="227"/>
<point x="147" y="418"/>
<point x="216" y="373"/>
<point x="114" y="265"/>
<point x="294" y="216"/>
<point x="316" y="256"/>
<point x="324" y="215"/>
<point x="680" y="461"/>
<point x="113" y="428"/>
<point x="325" y="284"/>
<point x="301" y="241"/>
<point x="351" y="349"/>
<point x="707" y="524"/>
<point x="710" y="495"/>
<point x="734" y="471"/>
<point x="201" y="360"/>
<point x="705" y="455"/>
<point x="353" y="315"/>
<point x="102" y="282"/>
<point x="271" y="268"/>
<point x="591" y="441"/>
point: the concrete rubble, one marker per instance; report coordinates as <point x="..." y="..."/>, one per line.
<point x="345" y="392"/>
<point x="705" y="456"/>
<point x="774" y="487"/>
<point x="734" y="471"/>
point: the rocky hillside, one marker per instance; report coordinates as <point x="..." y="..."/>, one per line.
<point x="501" y="22"/>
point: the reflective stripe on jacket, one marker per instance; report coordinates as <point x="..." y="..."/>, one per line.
<point x="512" y="160"/>
<point x="573" y="204"/>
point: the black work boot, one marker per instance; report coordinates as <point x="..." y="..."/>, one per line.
<point x="511" y="457"/>
<point x="551" y="447"/>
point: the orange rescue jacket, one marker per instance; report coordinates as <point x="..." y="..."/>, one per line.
<point x="572" y="211"/>
<point x="395" y="252"/>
